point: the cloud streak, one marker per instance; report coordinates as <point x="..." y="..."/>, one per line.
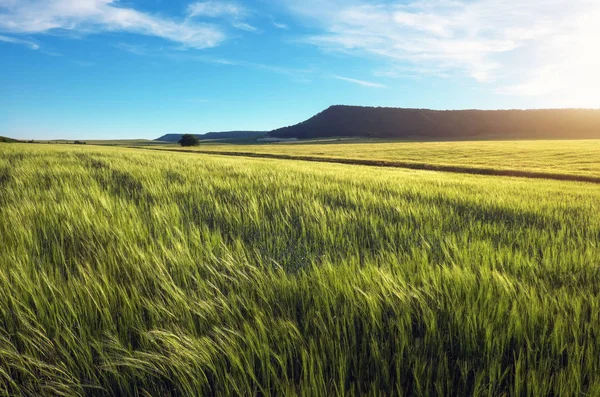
<point x="232" y="12"/>
<point x="359" y="82"/>
<point x="297" y="74"/>
<point x="244" y="26"/>
<point x="214" y="9"/>
<point x="97" y="16"/>
<point x="14" y="40"/>
<point x="280" y="25"/>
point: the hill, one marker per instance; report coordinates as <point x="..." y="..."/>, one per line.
<point x="446" y="124"/>
<point x="216" y="135"/>
<point x="8" y="140"/>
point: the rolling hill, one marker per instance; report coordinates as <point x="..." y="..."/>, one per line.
<point x="216" y="135"/>
<point x="8" y="140"/>
<point x="381" y="122"/>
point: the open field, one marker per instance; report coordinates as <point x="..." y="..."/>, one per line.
<point x="109" y="142"/>
<point x="568" y="157"/>
<point x="151" y="273"/>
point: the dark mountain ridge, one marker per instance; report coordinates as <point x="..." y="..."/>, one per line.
<point x="381" y="122"/>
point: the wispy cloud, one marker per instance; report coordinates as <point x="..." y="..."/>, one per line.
<point x="95" y="16"/>
<point x="185" y="57"/>
<point x="136" y="49"/>
<point x="532" y="42"/>
<point x="234" y="13"/>
<point x="280" y="25"/>
<point x="214" y="9"/>
<point x="360" y="82"/>
<point x="244" y="26"/>
<point x="14" y="40"/>
<point x="297" y="74"/>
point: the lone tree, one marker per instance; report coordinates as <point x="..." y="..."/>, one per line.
<point x="189" y="140"/>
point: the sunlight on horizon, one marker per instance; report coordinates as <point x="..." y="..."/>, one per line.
<point x="568" y="70"/>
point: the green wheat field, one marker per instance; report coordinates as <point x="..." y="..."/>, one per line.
<point x="566" y="157"/>
<point x="155" y="273"/>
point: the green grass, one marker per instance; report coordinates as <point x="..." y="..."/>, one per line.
<point x="129" y="272"/>
<point x="568" y="157"/>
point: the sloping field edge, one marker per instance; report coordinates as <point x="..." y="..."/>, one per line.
<point x="400" y="164"/>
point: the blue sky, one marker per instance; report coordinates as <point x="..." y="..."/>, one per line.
<point x="105" y="69"/>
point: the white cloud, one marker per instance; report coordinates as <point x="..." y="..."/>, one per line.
<point x="14" y="40"/>
<point x="529" y="43"/>
<point x="94" y="16"/>
<point x="359" y="82"/>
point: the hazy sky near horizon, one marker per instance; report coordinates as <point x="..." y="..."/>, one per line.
<point x="105" y="69"/>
